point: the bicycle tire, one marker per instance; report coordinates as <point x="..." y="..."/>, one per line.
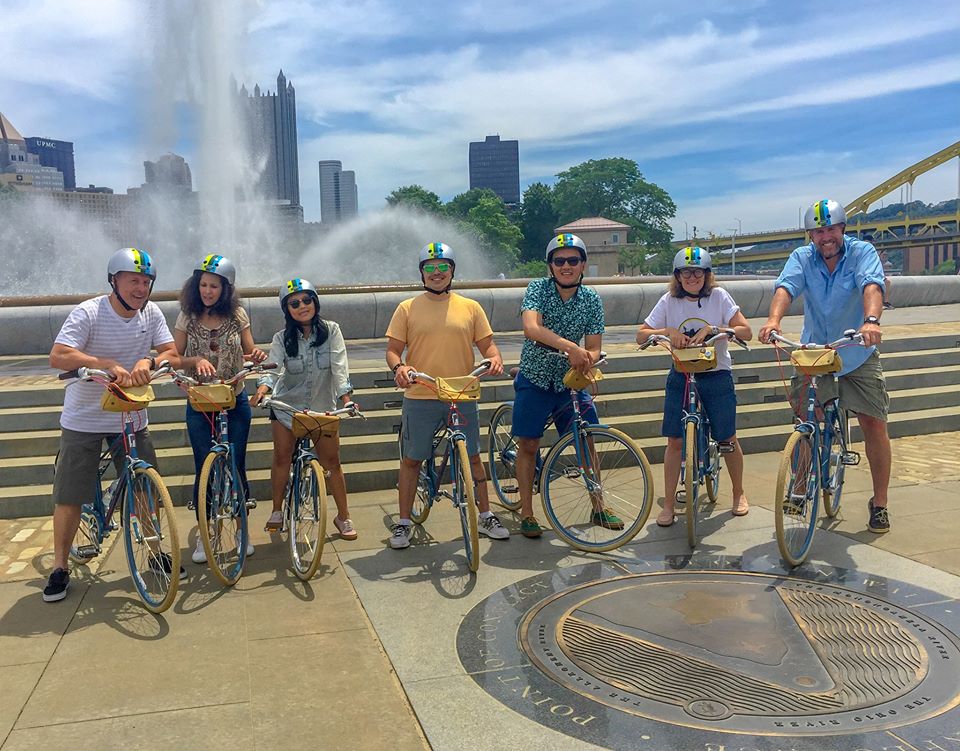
<point x="691" y="481"/>
<point x="307" y="520"/>
<point x="712" y="479"/>
<point x="834" y="447"/>
<point x="225" y="555"/>
<point x="88" y="533"/>
<point x="465" y="500"/>
<point x="422" y="498"/>
<point x="502" y="457"/>
<point x="151" y="540"/>
<point x="626" y="489"/>
<point x="796" y="513"/>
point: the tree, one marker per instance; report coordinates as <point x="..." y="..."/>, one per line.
<point x="615" y="189"/>
<point x="538" y="220"/>
<point x="633" y="257"/>
<point x="416" y="197"/>
<point x="496" y="234"/>
<point x="459" y="206"/>
<point x="529" y="270"/>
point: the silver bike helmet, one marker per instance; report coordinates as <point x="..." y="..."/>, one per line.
<point x="131" y="259"/>
<point x="566" y="241"/>
<point x="219" y="265"/>
<point x="692" y="257"/>
<point x="437" y="252"/>
<point x="295" y="285"/>
<point x="825" y="213"/>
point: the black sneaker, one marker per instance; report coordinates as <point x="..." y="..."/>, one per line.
<point x="57" y="585"/>
<point x="162" y="563"/>
<point x="888" y="306"/>
<point x="879" y="518"/>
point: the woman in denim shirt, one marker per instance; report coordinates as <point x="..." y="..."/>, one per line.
<point x="314" y="375"/>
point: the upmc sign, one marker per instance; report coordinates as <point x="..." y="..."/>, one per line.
<point x="46" y="144"/>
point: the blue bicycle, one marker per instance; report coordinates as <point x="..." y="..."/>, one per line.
<point x="146" y="511"/>
<point x="222" y="503"/>
<point x="701" y="457"/>
<point x="816" y="453"/>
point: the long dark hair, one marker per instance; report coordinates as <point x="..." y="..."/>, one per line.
<point x="192" y="304"/>
<point x="291" y="329"/>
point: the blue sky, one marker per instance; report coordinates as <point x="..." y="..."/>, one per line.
<point x="740" y="110"/>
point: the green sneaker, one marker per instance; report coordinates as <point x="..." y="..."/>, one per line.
<point x="607" y="519"/>
<point x="530" y="527"/>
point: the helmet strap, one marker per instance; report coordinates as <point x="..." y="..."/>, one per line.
<point x="116" y="292"/>
<point x="444" y="291"/>
<point x="560" y="284"/>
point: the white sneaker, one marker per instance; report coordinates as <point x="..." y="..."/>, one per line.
<point x="250" y="549"/>
<point x="400" y="536"/>
<point x="199" y="554"/>
<point x="492" y="528"/>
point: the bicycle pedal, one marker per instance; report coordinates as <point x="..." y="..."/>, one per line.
<point x="510" y="488"/>
<point x="851" y="458"/>
<point x="87" y="551"/>
<point x="725" y="448"/>
<point x="251" y="503"/>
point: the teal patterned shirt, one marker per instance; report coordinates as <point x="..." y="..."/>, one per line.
<point x="580" y="316"/>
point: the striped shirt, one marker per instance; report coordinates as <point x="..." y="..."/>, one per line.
<point x="95" y="328"/>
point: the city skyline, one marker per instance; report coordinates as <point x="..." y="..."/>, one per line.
<point x="715" y="103"/>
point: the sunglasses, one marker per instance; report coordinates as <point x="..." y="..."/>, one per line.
<point x="443" y="268"/>
<point x="294" y="304"/>
<point x="571" y="261"/>
<point x="692" y="273"/>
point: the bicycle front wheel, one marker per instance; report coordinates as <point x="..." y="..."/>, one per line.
<point x="691" y="482"/>
<point x="465" y="501"/>
<point x="796" y="503"/>
<point x="502" y="457"/>
<point x="834" y="448"/>
<point x="86" y="543"/>
<point x="422" y="497"/>
<point x="151" y="540"/>
<point x="598" y="497"/>
<point x="307" y="519"/>
<point x="222" y="519"/>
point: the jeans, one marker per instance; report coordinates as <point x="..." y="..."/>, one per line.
<point x="201" y="434"/>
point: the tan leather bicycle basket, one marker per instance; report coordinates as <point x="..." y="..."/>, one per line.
<point x="130" y="399"/>
<point x="694" y="359"/>
<point x="816" y="361"/>
<point x="577" y="381"/>
<point x="212" y="397"/>
<point x="458" y="389"/>
<point x="315" y="424"/>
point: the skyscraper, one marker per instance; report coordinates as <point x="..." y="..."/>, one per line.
<point x="25" y="166"/>
<point x="170" y="173"/>
<point x="271" y="122"/>
<point x="495" y="164"/>
<point x="56" y="154"/>
<point x="338" y="192"/>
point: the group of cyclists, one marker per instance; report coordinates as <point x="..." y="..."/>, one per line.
<point x="436" y="332"/>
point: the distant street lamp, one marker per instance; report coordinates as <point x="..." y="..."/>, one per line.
<point x="733" y="246"/>
<point x="686" y="230"/>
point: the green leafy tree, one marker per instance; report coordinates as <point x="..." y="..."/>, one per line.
<point x="494" y="231"/>
<point x="538" y="220"/>
<point x="634" y="258"/>
<point x="529" y="270"/>
<point x="459" y="206"/>
<point x="615" y="189"/>
<point x="416" y="197"/>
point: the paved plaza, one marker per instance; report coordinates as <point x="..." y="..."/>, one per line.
<point x="372" y="653"/>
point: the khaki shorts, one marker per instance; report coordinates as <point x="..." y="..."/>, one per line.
<point x="79" y="459"/>
<point x="862" y="391"/>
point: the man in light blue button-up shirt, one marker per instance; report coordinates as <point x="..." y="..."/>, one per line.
<point x="842" y="281"/>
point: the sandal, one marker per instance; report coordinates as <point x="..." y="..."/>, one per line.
<point x="740" y="507"/>
<point x="665" y="518"/>
<point x="274" y="523"/>
<point x="345" y="528"/>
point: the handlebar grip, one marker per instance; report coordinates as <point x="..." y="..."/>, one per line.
<point x="269" y="365"/>
<point x="75" y="373"/>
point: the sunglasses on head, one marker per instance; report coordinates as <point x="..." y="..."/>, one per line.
<point x="443" y="268"/>
<point x="294" y="304"/>
<point x="572" y="261"/>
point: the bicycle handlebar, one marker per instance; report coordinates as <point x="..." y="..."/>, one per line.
<point x="96" y="374"/>
<point x="248" y="368"/>
<point x="414" y="375"/>
<point x="722" y="334"/>
<point x="350" y="409"/>
<point x="850" y="336"/>
<point x="601" y="361"/>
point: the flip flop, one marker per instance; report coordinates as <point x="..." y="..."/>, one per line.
<point x="665" y="519"/>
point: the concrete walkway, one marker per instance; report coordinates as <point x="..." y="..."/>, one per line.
<point x="364" y="656"/>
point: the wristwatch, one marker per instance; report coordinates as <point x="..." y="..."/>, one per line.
<point x="872" y="319"/>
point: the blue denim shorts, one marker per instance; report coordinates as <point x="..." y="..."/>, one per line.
<point x="717" y="396"/>
<point x="420" y="419"/>
<point x="532" y="406"/>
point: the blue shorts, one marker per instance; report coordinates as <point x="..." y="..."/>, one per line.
<point x="716" y="395"/>
<point x="532" y="406"/>
<point x="420" y="419"/>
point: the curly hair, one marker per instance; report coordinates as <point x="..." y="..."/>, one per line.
<point x="192" y="304"/>
<point x="292" y="329"/>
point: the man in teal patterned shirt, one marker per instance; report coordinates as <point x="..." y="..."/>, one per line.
<point x="557" y="313"/>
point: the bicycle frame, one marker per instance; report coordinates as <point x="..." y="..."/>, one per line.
<point x="695" y="414"/>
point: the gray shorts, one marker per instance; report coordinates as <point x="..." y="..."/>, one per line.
<point x="79" y="459"/>
<point x="862" y="391"/>
<point x="421" y="418"/>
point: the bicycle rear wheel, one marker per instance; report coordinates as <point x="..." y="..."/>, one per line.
<point x="600" y="500"/>
<point x="712" y="479"/>
<point x="307" y="519"/>
<point x="834" y="448"/>
<point x="691" y="482"/>
<point x="151" y="540"/>
<point x="465" y="501"/>
<point x="222" y="525"/>
<point x="502" y="457"/>
<point x="796" y="502"/>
